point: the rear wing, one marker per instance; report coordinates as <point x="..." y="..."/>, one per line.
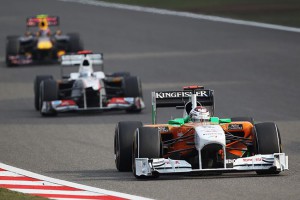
<point x="35" y="20"/>
<point x="181" y="99"/>
<point x="76" y="59"/>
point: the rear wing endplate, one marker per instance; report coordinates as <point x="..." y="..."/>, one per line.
<point x="205" y="97"/>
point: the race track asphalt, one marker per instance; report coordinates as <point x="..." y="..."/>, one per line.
<point x="253" y="71"/>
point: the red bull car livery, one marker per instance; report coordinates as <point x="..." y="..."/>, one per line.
<point x="40" y="44"/>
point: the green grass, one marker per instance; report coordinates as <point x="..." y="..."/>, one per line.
<point x="284" y="12"/>
<point x="11" y="195"/>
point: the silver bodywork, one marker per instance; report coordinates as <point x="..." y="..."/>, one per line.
<point x="84" y="79"/>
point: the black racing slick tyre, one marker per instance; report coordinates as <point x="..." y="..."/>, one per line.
<point x="132" y="87"/>
<point x="147" y="144"/>
<point x="246" y="119"/>
<point x="36" y="88"/>
<point x="268" y="141"/>
<point x="12" y="48"/>
<point x="123" y="141"/>
<point x="75" y="43"/>
<point x="48" y="92"/>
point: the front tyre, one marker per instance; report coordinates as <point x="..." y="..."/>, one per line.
<point x="12" y="49"/>
<point x="36" y="88"/>
<point x="146" y="144"/>
<point x="268" y="141"/>
<point x="48" y="92"/>
<point x="132" y="87"/>
<point x="123" y="140"/>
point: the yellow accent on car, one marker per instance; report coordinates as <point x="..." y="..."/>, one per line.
<point x="60" y="53"/>
<point x="43" y="24"/>
<point x="44" y="45"/>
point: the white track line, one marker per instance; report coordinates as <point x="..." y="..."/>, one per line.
<point x="6" y="173"/>
<point x="42" y="191"/>
<point x="32" y="183"/>
<point x="184" y="14"/>
<point x="39" y="177"/>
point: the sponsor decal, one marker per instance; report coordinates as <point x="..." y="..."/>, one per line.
<point x="67" y="103"/>
<point x="161" y="95"/>
<point x="129" y="100"/>
<point x="118" y="101"/>
<point x="180" y="94"/>
<point x="247" y="159"/>
<point x="211" y="130"/>
<point x="235" y="127"/>
<point x="163" y="129"/>
<point x="179" y="134"/>
<point x="202" y="93"/>
<point x="212" y="134"/>
<point x="176" y="162"/>
<point x="252" y="159"/>
<point x="258" y="159"/>
<point x="56" y="103"/>
<point x="229" y="161"/>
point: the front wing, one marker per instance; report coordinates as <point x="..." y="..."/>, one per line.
<point x="28" y="60"/>
<point x="151" y="167"/>
<point x="20" y="60"/>
<point x="119" y="103"/>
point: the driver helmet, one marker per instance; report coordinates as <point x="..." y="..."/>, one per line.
<point x="43" y="28"/>
<point x="199" y="114"/>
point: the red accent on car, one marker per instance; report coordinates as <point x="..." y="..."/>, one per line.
<point x="85" y="52"/>
<point x="67" y="103"/>
<point x="193" y="87"/>
<point x="117" y="100"/>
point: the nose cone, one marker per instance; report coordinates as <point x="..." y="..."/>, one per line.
<point x="208" y="134"/>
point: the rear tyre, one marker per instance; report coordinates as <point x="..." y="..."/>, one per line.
<point x="247" y="119"/>
<point x="132" y="88"/>
<point x="147" y="144"/>
<point x="75" y="43"/>
<point x="48" y="92"/>
<point x="123" y="141"/>
<point x="12" y="49"/>
<point x="36" y="88"/>
<point x="268" y="141"/>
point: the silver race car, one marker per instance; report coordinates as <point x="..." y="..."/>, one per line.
<point x="87" y="90"/>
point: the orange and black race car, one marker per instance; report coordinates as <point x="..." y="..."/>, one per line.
<point x="39" y="44"/>
<point x="197" y="143"/>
